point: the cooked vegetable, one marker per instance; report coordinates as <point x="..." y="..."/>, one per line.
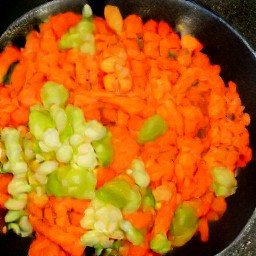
<point x="184" y="224"/>
<point x="74" y="182"/>
<point x="121" y="194"/>
<point x="80" y="36"/>
<point x="104" y="149"/>
<point x="224" y="182"/>
<point x="104" y="224"/>
<point x="160" y="244"/>
<point x="133" y="235"/>
<point x="148" y="200"/>
<point x="115" y="134"/>
<point x="137" y="171"/>
<point x="53" y="93"/>
<point x="152" y="128"/>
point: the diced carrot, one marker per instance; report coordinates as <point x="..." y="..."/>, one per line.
<point x="203" y="228"/>
<point x="140" y="220"/>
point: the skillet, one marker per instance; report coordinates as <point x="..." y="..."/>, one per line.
<point x="225" y="47"/>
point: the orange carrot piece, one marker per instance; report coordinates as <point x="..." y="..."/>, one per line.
<point x="3" y="199"/>
<point x="10" y="55"/>
<point x="104" y="175"/>
<point x="140" y="219"/>
<point x="20" y="116"/>
<point x="5" y="179"/>
<point x="69" y="242"/>
<point x="133" y="26"/>
<point x="203" y="229"/>
<point x="42" y="246"/>
<point x="164" y="217"/>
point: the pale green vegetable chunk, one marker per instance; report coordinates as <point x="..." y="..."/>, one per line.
<point x="11" y="139"/>
<point x="73" y="182"/>
<point x="64" y="154"/>
<point x="103" y="224"/>
<point x="12" y="216"/>
<point x="68" y="41"/>
<point x="25" y="225"/>
<point x="18" y="185"/>
<point x="39" y="122"/>
<point x="224" y="182"/>
<point x="94" y="130"/>
<point x="76" y="119"/>
<point x="80" y="36"/>
<point x="87" y="11"/>
<point x="104" y="149"/>
<point x="184" y="224"/>
<point x="152" y="128"/>
<point x="54" y="93"/>
<point x="85" y="156"/>
<point x="138" y="172"/>
<point x="148" y="200"/>
<point x="18" y="168"/>
<point x="47" y="167"/>
<point x="132" y="234"/>
<point x="160" y="244"/>
<point x="119" y="193"/>
<point x="59" y="116"/>
<point x="16" y="204"/>
<point x="94" y="238"/>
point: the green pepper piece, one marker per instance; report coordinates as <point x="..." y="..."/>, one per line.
<point x="160" y="244"/>
<point x="152" y="128"/>
<point x="39" y="122"/>
<point x="104" y="149"/>
<point x="184" y="224"/>
<point x="224" y="182"/>
<point x="54" y="93"/>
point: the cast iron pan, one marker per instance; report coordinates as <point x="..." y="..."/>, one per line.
<point x="224" y="47"/>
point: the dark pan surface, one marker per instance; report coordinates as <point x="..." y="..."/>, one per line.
<point x="224" y="47"/>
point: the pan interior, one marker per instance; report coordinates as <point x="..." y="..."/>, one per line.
<point x="224" y="47"/>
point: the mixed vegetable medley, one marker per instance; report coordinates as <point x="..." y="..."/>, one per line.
<point x="115" y="134"/>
